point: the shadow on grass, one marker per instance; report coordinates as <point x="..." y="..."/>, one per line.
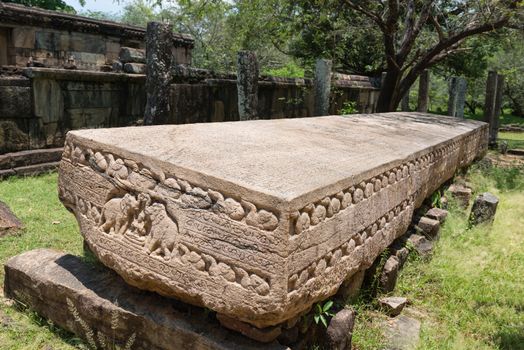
<point x="511" y="339"/>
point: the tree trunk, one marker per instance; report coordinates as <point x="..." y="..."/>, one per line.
<point x="390" y="96"/>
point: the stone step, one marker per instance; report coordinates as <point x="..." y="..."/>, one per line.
<point x="29" y="170"/>
<point x="516" y="151"/>
<point x="68" y="291"/>
<point x="30" y="157"/>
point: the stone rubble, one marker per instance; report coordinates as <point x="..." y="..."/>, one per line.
<point x="393" y="306"/>
<point x="461" y="193"/>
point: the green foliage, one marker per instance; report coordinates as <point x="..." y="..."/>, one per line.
<point x="436" y="199"/>
<point x="139" y="12"/>
<point x="509" y="61"/>
<point x="324" y="28"/>
<point x="289" y="70"/>
<point x="349" y="107"/>
<point x="323" y="313"/>
<point x="485" y="176"/>
<point x="57" y="5"/>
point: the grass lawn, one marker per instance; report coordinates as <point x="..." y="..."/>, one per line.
<point x="47" y="224"/>
<point x="470" y="295"/>
<point x="505" y="118"/>
<point x="514" y="139"/>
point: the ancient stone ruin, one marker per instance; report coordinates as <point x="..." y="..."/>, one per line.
<point x="61" y="72"/>
<point x="257" y="220"/>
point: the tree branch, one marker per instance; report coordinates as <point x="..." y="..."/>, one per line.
<point x="443" y="48"/>
<point x="372" y="15"/>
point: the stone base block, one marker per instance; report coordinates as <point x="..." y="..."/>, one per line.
<point x="30" y="157"/>
<point x="95" y="303"/>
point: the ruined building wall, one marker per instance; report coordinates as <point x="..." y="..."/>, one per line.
<point x="50" y="38"/>
<point x="40" y="105"/>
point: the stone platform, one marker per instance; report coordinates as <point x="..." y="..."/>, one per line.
<point x="257" y="220"/>
<point x="96" y="304"/>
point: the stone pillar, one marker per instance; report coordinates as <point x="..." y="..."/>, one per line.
<point x="493" y="104"/>
<point x="404" y="104"/>
<point x="322" y="85"/>
<point x="423" y="92"/>
<point x="498" y="108"/>
<point x="159" y="44"/>
<point x="247" y="85"/>
<point x="457" y="96"/>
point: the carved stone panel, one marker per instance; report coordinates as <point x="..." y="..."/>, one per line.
<point x="257" y="220"/>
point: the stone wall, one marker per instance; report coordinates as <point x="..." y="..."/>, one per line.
<point x="51" y="38"/>
<point x="39" y="105"/>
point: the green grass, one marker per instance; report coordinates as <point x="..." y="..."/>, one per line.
<point x="472" y="289"/>
<point x="514" y="139"/>
<point x="505" y="118"/>
<point x="47" y="224"/>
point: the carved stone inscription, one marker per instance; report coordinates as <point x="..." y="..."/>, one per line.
<point x="250" y="253"/>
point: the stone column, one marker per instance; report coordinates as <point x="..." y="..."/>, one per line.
<point x="493" y="104"/>
<point x="404" y="104"/>
<point x="159" y="56"/>
<point x="322" y="85"/>
<point x="423" y="92"/>
<point x="247" y="85"/>
<point x="457" y="96"/>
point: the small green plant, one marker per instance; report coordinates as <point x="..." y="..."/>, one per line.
<point x="323" y="313"/>
<point x="349" y="107"/>
<point x="101" y="341"/>
<point x="436" y="200"/>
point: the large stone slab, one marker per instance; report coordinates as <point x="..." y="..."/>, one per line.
<point x="96" y="304"/>
<point x="257" y="220"/>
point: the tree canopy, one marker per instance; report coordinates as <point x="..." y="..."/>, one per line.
<point x="400" y="37"/>
<point x="57" y="5"/>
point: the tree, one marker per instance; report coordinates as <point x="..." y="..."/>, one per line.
<point x="329" y="29"/>
<point x="417" y="35"/>
<point x="509" y="61"/>
<point x="56" y="5"/>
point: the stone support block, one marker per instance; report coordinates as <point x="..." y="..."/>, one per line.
<point x="460" y="193"/>
<point x="437" y="214"/>
<point x="257" y="220"/>
<point x="388" y="277"/>
<point x="340" y="330"/>
<point x="80" y="297"/>
<point x="429" y="227"/>
<point x="484" y="208"/>
<point x="421" y="244"/>
<point x="350" y="288"/>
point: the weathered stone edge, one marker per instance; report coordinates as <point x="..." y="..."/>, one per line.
<point x="57" y="285"/>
